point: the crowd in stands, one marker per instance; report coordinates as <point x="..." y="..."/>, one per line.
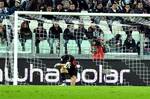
<point x="92" y="34"/>
<point x="97" y="6"/>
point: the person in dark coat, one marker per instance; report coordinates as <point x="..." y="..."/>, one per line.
<point x="40" y="34"/>
<point x="79" y="35"/>
<point x="54" y="34"/>
<point x="68" y="35"/>
<point x="25" y="34"/>
<point x="129" y="44"/>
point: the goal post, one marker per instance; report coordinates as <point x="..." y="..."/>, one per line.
<point x="128" y="17"/>
<point x="15" y="73"/>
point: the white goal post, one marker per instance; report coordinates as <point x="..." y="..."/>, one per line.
<point x="17" y="13"/>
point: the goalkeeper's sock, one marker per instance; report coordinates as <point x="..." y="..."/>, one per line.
<point x="63" y="77"/>
<point x="63" y="84"/>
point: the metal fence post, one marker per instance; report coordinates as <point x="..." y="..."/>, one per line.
<point x="141" y="45"/>
<point x="61" y="44"/>
<point x="33" y="44"/>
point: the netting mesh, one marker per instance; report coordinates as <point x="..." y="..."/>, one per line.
<point x="47" y="36"/>
<point x="6" y="44"/>
<point x="78" y="33"/>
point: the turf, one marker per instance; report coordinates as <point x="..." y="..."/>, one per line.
<point x="77" y="92"/>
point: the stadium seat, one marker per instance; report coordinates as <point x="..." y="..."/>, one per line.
<point x="33" y="24"/>
<point x="136" y="36"/>
<point x="72" y="47"/>
<point x="44" y="47"/>
<point x="86" y="47"/>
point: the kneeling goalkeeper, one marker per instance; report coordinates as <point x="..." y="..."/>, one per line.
<point x="67" y="66"/>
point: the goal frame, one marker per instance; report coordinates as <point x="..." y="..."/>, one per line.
<point x="15" y="73"/>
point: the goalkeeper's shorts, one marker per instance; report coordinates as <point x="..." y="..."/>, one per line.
<point x="72" y="71"/>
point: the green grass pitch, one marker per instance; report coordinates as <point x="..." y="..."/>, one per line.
<point x="74" y="92"/>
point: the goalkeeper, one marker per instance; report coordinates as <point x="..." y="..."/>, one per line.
<point x="68" y="66"/>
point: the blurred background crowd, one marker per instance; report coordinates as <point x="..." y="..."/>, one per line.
<point x="97" y="6"/>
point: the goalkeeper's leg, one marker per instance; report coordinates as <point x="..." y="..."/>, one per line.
<point x="63" y="78"/>
<point x="73" y="80"/>
<point x="73" y="76"/>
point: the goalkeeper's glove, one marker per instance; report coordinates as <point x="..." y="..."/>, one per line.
<point x="56" y="65"/>
<point x="68" y="64"/>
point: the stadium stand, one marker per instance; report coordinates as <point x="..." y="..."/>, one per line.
<point x="80" y="40"/>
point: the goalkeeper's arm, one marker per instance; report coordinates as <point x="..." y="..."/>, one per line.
<point x="67" y="65"/>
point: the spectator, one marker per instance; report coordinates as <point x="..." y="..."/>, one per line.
<point x="94" y="4"/>
<point x="5" y="10"/>
<point x="50" y="3"/>
<point x="59" y="8"/>
<point x="146" y="46"/>
<point x="127" y="9"/>
<point x="68" y="34"/>
<point x="49" y="9"/>
<point x="42" y="7"/>
<point x="31" y="5"/>
<point x="25" y="34"/>
<point x="139" y="8"/>
<point x="25" y="4"/>
<point x="120" y="5"/>
<point x="82" y="5"/>
<point x="138" y="47"/>
<point x="40" y="34"/>
<point x="128" y="30"/>
<point x="72" y="8"/>
<point x="79" y="35"/>
<point x="91" y="5"/>
<point x="8" y="33"/>
<point x="54" y="34"/>
<point x="146" y="4"/>
<point x="134" y="4"/>
<point x="1" y="33"/>
<point x="99" y="8"/>
<point x="11" y="3"/>
<point x="5" y="35"/>
<point x="94" y="32"/>
<point x="129" y="44"/>
<point x="116" y="43"/>
<point x="66" y="5"/>
<point x="75" y="2"/>
<point x="98" y="49"/>
<point x="105" y="2"/>
<point x="89" y="33"/>
<point x="147" y="31"/>
<point x="114" y="9"/>
<point x="97" y="33"/>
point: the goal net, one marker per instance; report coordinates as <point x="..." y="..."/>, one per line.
<point x="41" y="38"/>
<point x="7" y="47"/>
